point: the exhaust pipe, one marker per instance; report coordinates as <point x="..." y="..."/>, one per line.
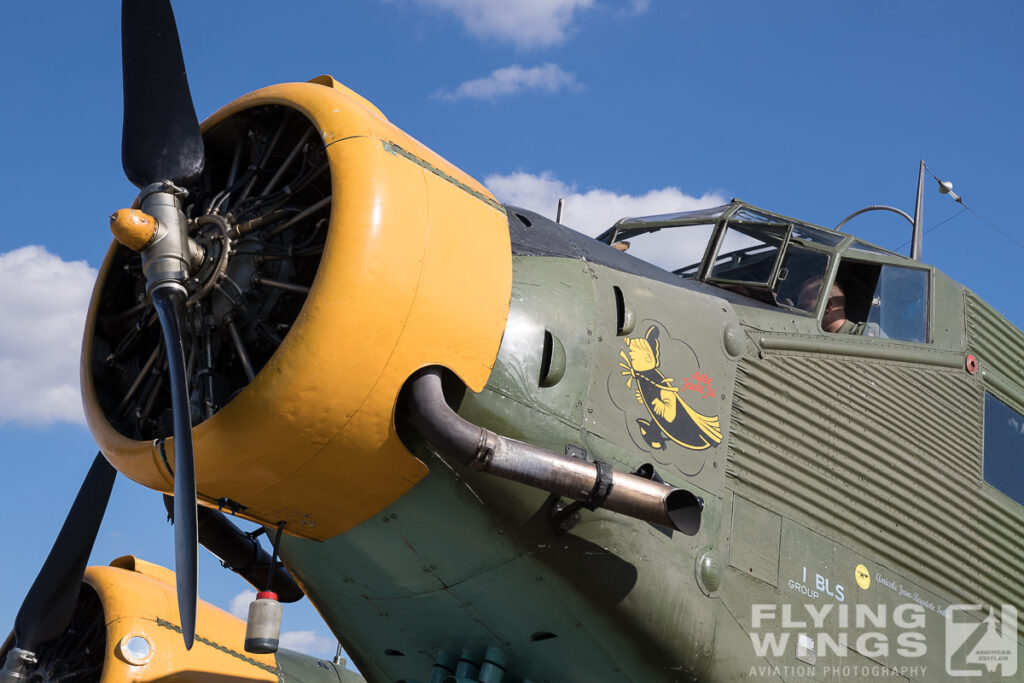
<point x="590" y="483"/>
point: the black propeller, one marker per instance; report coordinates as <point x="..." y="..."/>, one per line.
<point x="50" y="602"/>
<point x="169" y="302"/>
<point x="161" y="148"/>
<point x="160" y="139"/>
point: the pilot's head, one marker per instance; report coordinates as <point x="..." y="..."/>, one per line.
<point x="835" y="309"/>
<point x="808" y="297"/>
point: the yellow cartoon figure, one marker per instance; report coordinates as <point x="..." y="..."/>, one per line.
<point x="655" y="391"/>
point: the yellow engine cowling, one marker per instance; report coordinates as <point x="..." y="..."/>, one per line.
<point x="416" y="271"/>
<point x="125" y="628"/>
<point x="139" y="600"/>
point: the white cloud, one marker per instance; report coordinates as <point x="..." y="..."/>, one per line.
<point x="240" y="604"/>
<point x="594" y="211"/>
<point x="43" y="308"/>
<point x="524" y="23"/>
<point x="549" y="78"/>
<point x="310" y="643"/>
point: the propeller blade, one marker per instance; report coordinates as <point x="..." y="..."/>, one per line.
<point x="169" y="301"/>
<point x="50" y="602"/>
<point x="160" y="139"/>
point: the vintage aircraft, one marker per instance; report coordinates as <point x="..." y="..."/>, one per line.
<point x="488" y="448"/>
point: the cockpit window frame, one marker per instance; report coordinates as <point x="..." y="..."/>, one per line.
<point x="837" y="247"/>
<point x="710" y="259"/>
<point x="826" y="278"/>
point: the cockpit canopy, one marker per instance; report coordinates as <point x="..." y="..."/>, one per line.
<point x="783" y="262"/>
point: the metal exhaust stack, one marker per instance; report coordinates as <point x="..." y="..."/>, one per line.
<point x="584" y="481"/>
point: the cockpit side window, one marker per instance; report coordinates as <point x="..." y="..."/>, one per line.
<point x="879" y="301"/>
<point x="900" y="303"/>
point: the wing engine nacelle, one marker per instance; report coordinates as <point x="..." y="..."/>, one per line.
<point x="125" y="628"/>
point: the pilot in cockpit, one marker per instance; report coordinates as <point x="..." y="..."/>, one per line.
<point x="834" y="319"/>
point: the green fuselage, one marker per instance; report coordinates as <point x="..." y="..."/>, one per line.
<point x="834" y="497"/>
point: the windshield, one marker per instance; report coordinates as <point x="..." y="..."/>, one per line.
<point x="676" y="248"/>
<point x="765" y="263"/>
<point x="801" y="277"/>
<point x="749" y="253"/>
<point x="760" y="255"/>
<point x="680" y="218"/>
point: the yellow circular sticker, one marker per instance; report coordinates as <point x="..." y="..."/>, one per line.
<point x="863" y="576"/>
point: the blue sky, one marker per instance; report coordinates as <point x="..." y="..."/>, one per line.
<point x="812" y="109"/>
